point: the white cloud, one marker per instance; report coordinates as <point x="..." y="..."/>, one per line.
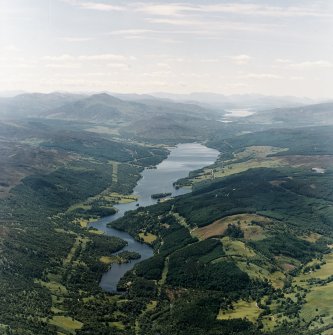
<point x="143" y="34"/>
<point x="99" y="6"/>
<point x="214" y="38"/>
<point x="95" y="57"/>
<point x="304" y="64"/>
<point x="184" y="9"/>
<point x="175" y="21"/>
<point x="11" y="48"/>
<point x="237" y="85"/>
<point x="162" y="36"/>
<point x="261" y="76"/>
<point x="158" y="74"/>
<point x="95" y="74"/>
<point x="312" y="64"/>
<point x="60" y="58"/>
<point x="118" y="66"/>
<point x="163" y="65"/>
<point x="107" y="57"/>
<point x="181" y="9"/>
<point x="65" y="61"/>
<point x="63" y="65"/>
<point x="241" y="59"/>
<point x="296" y="78"/>
<point x="210" y="60"/>
<point x="164" y="10"/>
<point x="206" y="26"/>
<point x="76" y="39"/>
<point x="126" y="32"/>
<point x="282" y="61"/>
<point x="11" y="59"/>
<point x="267" y="10"/>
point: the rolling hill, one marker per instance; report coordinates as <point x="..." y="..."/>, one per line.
<point x="33" y="104"/>
<point x="96" y="108"/>
<point x="318" y="114"/>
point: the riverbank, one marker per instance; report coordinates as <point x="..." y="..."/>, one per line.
<point x="182" y="159"/>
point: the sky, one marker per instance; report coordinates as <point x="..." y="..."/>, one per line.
<point x="227" y="47"/>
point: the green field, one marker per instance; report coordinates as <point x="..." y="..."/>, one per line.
<point x="249" y="251"/>
<point x="66" y="323"/>
<point x="241" y="310"/>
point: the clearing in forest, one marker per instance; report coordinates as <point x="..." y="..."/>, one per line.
<point x="251" y="224"/>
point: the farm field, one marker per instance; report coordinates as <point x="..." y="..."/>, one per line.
<point x="262" y="232"/>
<point x="166" y="167"/>
<point x="241" y="310"/>
<point x="239" y="252"/>
<point x="247" y="222"/>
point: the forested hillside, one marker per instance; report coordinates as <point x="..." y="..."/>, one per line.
<point x="248" y="251"/>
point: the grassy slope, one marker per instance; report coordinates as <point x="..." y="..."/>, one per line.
<point x="275" y="209"/>
<point x="56" y="270"/>
<point x="50" y="263"/>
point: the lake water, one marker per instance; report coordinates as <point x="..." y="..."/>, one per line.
<point x="236" y="113"/>
<point x="182" y="159"/>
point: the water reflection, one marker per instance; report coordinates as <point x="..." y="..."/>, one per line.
<point x="182" y="159"/>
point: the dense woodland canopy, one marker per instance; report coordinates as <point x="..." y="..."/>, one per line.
<point x="248" y="251"/>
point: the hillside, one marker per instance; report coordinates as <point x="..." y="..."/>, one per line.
<point x="33" y="104"/>
<point x="97" y="108"/>
<point x="53" y="183"/>
<point x="319" y="114"/>
<point x="255" y="101"/>
<point x="249" y="250"/>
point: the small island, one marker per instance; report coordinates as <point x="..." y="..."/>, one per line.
<point x="161" y="195"/>
<point x="120" y="258"/>
<point x="127" y="256"/>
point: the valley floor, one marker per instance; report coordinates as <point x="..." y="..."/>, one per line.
<point x="248" y="251"/>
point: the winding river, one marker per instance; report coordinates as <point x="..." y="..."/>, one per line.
<point x="182" y="159"/>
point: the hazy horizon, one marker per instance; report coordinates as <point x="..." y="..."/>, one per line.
<point x="223" y="47"/>
<point x="166" y="95"/>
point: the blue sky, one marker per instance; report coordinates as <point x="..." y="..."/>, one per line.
<point x="229" y="47"/>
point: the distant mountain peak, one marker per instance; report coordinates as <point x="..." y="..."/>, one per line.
<point x="104" y="97"/>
